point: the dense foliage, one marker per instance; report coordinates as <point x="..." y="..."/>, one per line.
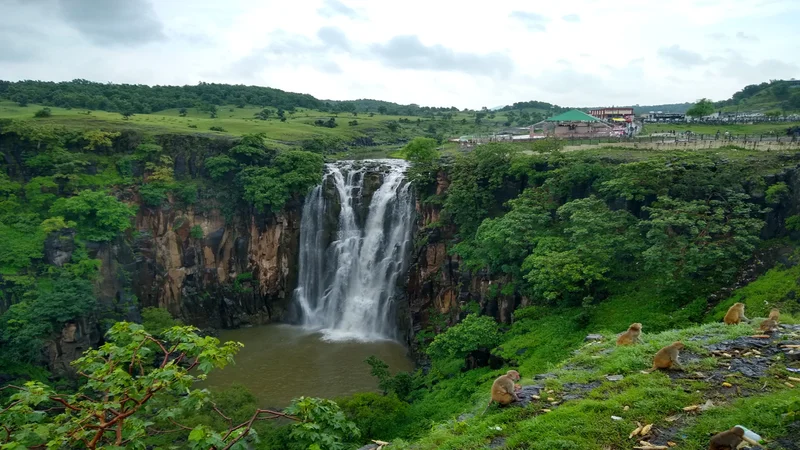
<point x="135" y="385"/>
<point x="70" y="190"/>
<point x="579" y="224"/>
<point x="143" y="99"/>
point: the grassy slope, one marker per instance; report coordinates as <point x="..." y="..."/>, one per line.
<point x="238" y="121"/>
<point x="754" y="129"/>
<point x="545" y="341"/>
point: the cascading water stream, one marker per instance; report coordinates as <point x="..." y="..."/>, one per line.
<point x="348" y="279"/>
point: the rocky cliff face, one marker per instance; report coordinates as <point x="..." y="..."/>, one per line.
<point x="438" y="287"/>
<point x="216" y="273"/>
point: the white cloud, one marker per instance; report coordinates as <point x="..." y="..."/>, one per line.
<point x="424" y="52"/>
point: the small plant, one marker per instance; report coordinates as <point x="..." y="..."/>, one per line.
<point x="191" y="125"/>
<point x="196" y="232"/>
<point x="215" y="128"/>
<point x="777" y="192"/>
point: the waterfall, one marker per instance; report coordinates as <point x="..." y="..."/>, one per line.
<point x="347" y="279"/>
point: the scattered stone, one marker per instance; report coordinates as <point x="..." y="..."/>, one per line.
<point x="616" y="418"/>
<point x="497" y="442"/>
<point x="544" y="376"/>
<point x="614" y="377"/>
<point x="369" y="447"/>
<point x="594" y="337"/>
<point x="755" y="368"/>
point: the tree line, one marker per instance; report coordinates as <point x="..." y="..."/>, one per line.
<point x="143" y="99"/>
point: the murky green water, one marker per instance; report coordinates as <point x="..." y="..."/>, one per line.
<point x="281" y="362"/>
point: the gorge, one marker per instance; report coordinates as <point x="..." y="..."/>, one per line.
<point x="355" y="237"/>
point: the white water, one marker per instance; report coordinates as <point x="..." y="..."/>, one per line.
<point x="346" y="288"/>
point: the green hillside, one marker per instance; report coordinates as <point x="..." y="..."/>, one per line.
<point x="776" y="95"/>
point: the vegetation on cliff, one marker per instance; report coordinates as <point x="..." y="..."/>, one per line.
<point x="64" y="192"/>
<point x="589" y="242"/>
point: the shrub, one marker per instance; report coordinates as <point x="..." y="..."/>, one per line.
<point x="153" y="194"/>
<point x="196" y="232"/>
<point x="377" y="416"/>
<point x="777" y="192"/>
<point x="323" y="425"/>
<point x="44" y="112"/>
<point x="473" y="333"/>
<point x="98" y="215"/>
<point x="157" y="320"/>
<point x="186" y="193"/>
<point x="215" y="128"/>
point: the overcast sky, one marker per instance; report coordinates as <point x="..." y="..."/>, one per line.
<point x="432" y="52"/>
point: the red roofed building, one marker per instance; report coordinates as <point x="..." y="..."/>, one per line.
<point x="611" y="113"/>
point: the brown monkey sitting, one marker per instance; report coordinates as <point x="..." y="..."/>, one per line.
<point x="631" y="336"/>
<point x="768" y="326"/>
<point x="735" y="314"/>
<point x="503" y="391"/>
<point x="727" y="440"/>
<point x="775" y="314"/>
<point x="667" y="357"/>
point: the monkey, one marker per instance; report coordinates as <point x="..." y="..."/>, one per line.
<point x="503" y="391"/>
<point x="735" y="314"/>
<point x="727" y="440"/>
<point x="631" y="336"/>
<point x="667" y="357"/>
<point x="775" y="314"/>
<point x="768" y="326"/>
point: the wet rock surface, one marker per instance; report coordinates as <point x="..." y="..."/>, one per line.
<point x="498" y="442"/>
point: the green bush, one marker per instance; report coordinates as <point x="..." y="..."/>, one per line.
<point x="157" y="320"/>
<point x="99" y="216"/>
<point x="186" y="193"/>
<point x="473" y="333"/>
<point x="777" y="192"/>
<point x="377" y="416"/>
<point x="153" y="194"/>
<point x="44" y="112"/>
<point x="323" y="425"/>
<point x="196" y="232"/>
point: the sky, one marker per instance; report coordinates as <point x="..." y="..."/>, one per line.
<point x="462" y="53"/>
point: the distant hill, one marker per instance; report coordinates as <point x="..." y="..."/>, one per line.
<point x="783" y="95"/>
<point x="143" y="99"/>
<point x="365" y="105"/>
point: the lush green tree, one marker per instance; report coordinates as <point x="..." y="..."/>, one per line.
<point x="473" y="333"/>
<point x="292" y="173"/>
<point x="393" y="126"/>
<point x="424" y="158"/>
<point x="703" y="240"/>
<point x="135" y="384"/>
<point x="702" y="108"/>
<point x="591" y="242"/>
<point x="99" y="216"/>
<point x="27" y="324"/>
<point x="219" y="167"/>
<point x="21" y="242"/>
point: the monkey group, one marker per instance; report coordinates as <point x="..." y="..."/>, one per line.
<point x="735" y="316"/>
<point x="504" y="387"/>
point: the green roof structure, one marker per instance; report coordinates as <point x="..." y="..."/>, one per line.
<point x="573" y="116"/>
